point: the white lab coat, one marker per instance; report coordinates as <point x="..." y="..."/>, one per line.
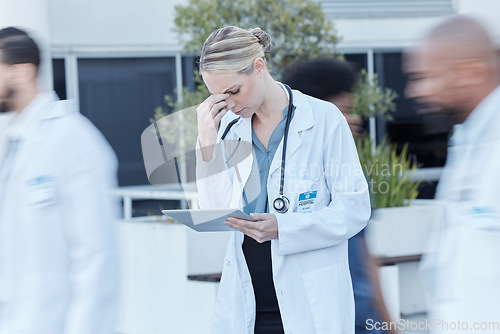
<point x="58" y="253"/>
<point x="309" y="260"/>
<point x="5" y="118"/>
<point x="462" y="266"/>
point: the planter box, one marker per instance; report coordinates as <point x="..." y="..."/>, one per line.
<point x="402" y="231"/>
<point x="156" y="295"/>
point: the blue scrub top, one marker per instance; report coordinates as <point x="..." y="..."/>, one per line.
<point x="264" y="158"/>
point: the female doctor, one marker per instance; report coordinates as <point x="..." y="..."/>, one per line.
<point x="288" y="160"/>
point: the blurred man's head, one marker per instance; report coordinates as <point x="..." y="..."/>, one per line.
<point x="19" y="62"/>
<point x="453" y="68"/>
<point x="327" y="79"/>
<point x="11" y="32"/>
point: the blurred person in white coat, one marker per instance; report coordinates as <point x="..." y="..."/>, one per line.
<point x="455" y="70"/>
<point x="286" y="272"/>
<point x="58" y="252"/>
<point x="4" y="121"/>
<point x="5" y="115"/>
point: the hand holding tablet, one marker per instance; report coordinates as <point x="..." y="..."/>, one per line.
<point x="209" y="220"/>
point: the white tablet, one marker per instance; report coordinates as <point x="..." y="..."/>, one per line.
<point x="209" y="220"/>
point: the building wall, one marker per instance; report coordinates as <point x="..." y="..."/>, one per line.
<point x="107" y="24"/>
<point x="148" y="25"/>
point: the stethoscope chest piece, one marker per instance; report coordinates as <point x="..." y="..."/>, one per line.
<point x="281" y="204"/>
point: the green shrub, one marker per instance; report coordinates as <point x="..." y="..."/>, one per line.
<point x="388" y="173"/>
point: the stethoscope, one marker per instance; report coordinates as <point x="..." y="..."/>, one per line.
<point x="281" y="203"/>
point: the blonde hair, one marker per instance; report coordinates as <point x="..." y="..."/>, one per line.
<point x="233" y="49"/>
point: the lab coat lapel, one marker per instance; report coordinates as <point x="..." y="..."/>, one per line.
<point x="33" y="137"/>
<point x="5" y="118"/>
<point x="303" y="119"/>
<point x="243" y="131"/>
<point x="465" y="154"/>
<point x="28" y="147"/>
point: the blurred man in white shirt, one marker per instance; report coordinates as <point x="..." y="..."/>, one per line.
<point x="455" y="70"/>
<point x="58" y="250"/>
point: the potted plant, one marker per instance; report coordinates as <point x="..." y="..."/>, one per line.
<point x="399" y="225"/>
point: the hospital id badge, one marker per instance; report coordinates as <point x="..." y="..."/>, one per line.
<point x="307" y="201"/>
<point x="41" y="191"/>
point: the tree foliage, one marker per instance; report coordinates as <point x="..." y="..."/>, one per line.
<point x="182" y="123"/>
<point x="298" y="28"/>
<point x="371" y="99"/>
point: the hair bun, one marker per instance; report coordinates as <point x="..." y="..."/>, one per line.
<point x="263" y="37"/>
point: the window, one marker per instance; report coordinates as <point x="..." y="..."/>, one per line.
<point x="119" y="96"/>
<point x="386" y="8"/>
<point x="359" y="59"/>
<point x="189" y="66"/>
<point x="427" y="135"/>
<point x="59" y="73"/>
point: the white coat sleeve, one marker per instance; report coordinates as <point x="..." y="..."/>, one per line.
<point x="349" y="209"/>
<point x="212" y="180"/>
<point x="91" y="213"/>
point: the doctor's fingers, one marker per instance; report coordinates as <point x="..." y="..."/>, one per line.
<point x="241" y="225"/>
<point x="262" y="216"/>
<point x="216" y="108"/>
<point x="231" y="221"/>
<point x="207" y="113"/>
<point x="214" y="99"/>
<point x="208" y="119"/>
<point x="255" y="230"/>
<point x="206" y="106"/>
<point x="219" y="117"/>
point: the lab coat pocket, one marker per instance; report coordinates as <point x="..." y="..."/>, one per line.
<point x="478" y="240"/>
<point x="40" y="191"/>
<point x="479" y="248"/>
<point x="330" y="299"/>
<point x="477" y="254"/>
<point x="308" y="194"/>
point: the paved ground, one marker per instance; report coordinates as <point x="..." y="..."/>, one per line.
<point x="415" y="322"/>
